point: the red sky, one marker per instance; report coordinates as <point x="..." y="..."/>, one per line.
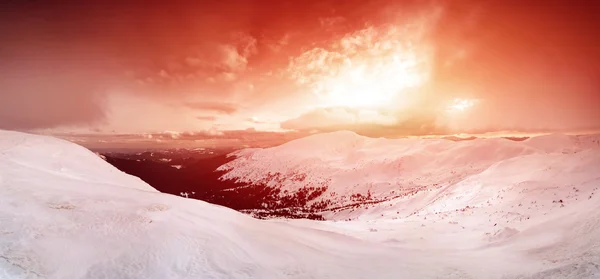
<point x="381" y="68"/>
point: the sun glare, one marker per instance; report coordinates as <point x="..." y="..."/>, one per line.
<point x="372" y="68"/>
<point x="370" y="83"/>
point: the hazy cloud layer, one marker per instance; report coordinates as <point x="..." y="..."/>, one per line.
<point x="39" y="91"/>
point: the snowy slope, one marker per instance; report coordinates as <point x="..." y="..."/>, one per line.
<point x="65" y="213"/>
<point x="63" y="159"/>
<point x="399" y="169"/>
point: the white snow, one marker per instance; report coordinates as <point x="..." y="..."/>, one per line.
<point x="65" y="213"/>
<point x="42" y="154"/>
<point x="100" y="155"/>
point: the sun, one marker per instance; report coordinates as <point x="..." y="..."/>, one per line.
<point x="372" y="68"/>
<point x="370" y="82"/>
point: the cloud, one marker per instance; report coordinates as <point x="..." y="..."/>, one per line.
<point x="329" y="22"/>
<point x="219" y="107"/>
<point x="163" y="74"/>
<point x="137" y="113"/>
<point x="206" y="118"/>
<point x="321" y="118"/>
<point x="247" y="45"/>
<point x="60" y="71"/>
<point x="172" y="134"/>
<point x="434" y="118"/>
<point x="215" y="61"/>
<point x="206" y="137"/>
<point x="206" y="133"/>
<point x="234" y="57"/>
<point x="366" y="122"/>
<point x="232" y="60"/>
<point x="193" y="61"/>
<point x="227" y="76"/>
<point x="39" y="92"/>
<point x="256" y="120"/>
<point x="278" y="45"/>
<point x="370" y="66"/>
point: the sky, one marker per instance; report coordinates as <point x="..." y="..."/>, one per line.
<point x="242" y="68"/>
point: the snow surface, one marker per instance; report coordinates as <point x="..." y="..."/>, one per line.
<point x="65" y="213"/>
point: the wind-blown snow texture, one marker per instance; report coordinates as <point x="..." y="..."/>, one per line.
<point x="65" y="213"/>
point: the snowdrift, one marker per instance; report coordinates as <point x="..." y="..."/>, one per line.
<point x="65" y="213"/>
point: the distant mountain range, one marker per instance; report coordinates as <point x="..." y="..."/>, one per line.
<point x="330" y="174"/>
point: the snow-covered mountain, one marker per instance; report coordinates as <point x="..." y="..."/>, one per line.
<point x="66" y="213"/>
<point x="412" y="176"/>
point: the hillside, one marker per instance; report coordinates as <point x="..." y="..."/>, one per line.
<point x="411" y="174"/>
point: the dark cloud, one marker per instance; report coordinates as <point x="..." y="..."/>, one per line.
<point x="38" y="91"/>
